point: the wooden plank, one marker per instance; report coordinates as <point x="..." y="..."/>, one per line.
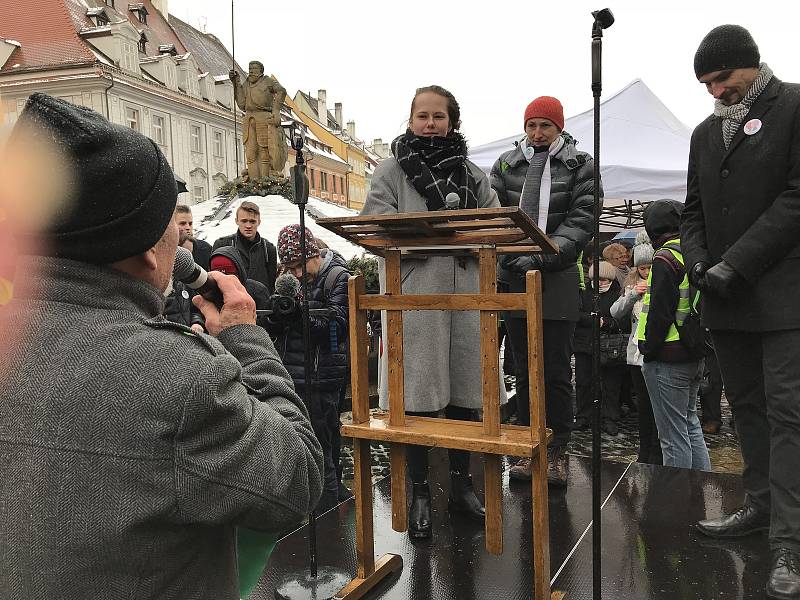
<point x="485" y="238"/>
<point x="360" y="586"/>
<point x="541" y="527"/>
<point x="347" y="227"/>
<point x="359" y="343"/>
<point x="362" y="490"/>
<point x="513" y="440"/>
<point x="518" y="249"/>
<point x="394" y="340"/>
<point x="492" y="302"/>
<point x="397" y="471"/>
<point x="490" y="361"/>
<point x="396" y="385"/>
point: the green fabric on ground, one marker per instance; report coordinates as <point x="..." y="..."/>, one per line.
<point x="253" y="549"/>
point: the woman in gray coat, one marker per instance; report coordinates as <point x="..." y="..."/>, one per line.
<point x="441" y="348"/>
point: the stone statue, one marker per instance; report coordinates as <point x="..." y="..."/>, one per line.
<point x="261" y="97"/>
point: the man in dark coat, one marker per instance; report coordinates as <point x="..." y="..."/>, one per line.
<point x="740" y="232"/>
<point x="259" y="254"/>
<point x="328" y="299"/>
<point x="132" y="447"/>
<point x="553" y="183"/>
<point x="200" y="249"/>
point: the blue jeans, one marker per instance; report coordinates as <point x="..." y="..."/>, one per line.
<point x="673" y="393"/>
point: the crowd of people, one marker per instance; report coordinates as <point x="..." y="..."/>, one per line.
<point x="149" y="422"/>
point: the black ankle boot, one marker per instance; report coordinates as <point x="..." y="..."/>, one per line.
<point x="419" y="515"/>
<point x="462" y="496"/>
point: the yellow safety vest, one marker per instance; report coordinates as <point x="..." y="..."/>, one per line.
<point x="684" y="301"/>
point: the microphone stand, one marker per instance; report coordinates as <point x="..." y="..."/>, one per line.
<point x="312" y="583"/>
<point x="602" y="20"/>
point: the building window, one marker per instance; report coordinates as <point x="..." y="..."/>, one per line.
<point x="219" y="144"/>
<point x="101" y="19"/>
<point x="132" y="118"/>
<point x="198" y="194"/>
<point x="196" y="138"/>
<point x="110" y="3"/>
<point x="311" y="179"/>
<point x="324" y="182"/>
<point x="158" y="130"/>
<point x="143" y="44"/>
<point x="335" y="191"/>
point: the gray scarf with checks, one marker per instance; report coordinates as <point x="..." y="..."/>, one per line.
<point x="732" y="116"/>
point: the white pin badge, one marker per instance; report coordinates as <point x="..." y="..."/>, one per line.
<point x="185" y="294"/>
<point x="752" y="127"/>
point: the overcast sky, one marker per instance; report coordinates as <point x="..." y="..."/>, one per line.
<point x="495" y="56"/>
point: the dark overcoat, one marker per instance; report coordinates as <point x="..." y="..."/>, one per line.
<point x="743" y="207"/>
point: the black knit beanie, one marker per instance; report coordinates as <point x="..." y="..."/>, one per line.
<point x="122" y="191"/>
<point x="662" y="217"/>
<point x="726" y="47"/>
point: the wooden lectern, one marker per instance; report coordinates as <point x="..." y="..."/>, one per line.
<point x="482" y="233"/>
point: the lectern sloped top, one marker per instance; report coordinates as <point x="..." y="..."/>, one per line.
<point x="508" y="229"/>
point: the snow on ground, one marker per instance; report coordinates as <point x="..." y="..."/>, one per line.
<point x="276" y="213"/>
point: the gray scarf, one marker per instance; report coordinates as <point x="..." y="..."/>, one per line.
<point x="733" y="115"/>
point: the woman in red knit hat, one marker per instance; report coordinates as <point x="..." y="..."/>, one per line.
<point x="553" y="182"/>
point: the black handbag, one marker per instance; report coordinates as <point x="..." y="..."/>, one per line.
<point x="613" y="349"/>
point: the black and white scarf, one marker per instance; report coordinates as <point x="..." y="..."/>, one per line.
<point x="733" y="115"/>
<point x="437" y="166"/>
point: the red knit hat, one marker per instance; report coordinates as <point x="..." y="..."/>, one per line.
<point x="545" y="107"/>
<point x="224" y="265"/>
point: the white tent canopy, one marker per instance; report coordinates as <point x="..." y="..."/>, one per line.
<point x="644" y="148"/>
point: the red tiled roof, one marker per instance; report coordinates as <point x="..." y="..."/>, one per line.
<point x="46" y="31"/>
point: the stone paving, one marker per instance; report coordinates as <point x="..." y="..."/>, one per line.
<point x="723" y="447"/>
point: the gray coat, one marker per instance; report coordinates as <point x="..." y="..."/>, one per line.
<point x="441" y="348"/>
<point x="130" y="448"/>
<point x="569" y="224"/>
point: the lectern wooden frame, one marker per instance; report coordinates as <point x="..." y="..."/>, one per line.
<point x="482" y="232"/>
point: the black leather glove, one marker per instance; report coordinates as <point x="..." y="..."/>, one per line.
<point x="521" y="263"/>
<point x="723" y="281"/>
<point x="697" y="276"/>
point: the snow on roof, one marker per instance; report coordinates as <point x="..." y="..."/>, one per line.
<point x="276" y="213"/>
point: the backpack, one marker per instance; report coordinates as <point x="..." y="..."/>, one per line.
<point x="693" y="335"/>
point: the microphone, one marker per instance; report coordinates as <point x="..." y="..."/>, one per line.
<point x="287" y="285"/>
<point x="195" y="277"/>
<point x="451" y="201"/>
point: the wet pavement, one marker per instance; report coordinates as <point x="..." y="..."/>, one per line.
<point x="723" y="448"/>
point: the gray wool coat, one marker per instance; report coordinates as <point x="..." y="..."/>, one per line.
<point x="441" y="350"/>
<point x="130" y="448"/>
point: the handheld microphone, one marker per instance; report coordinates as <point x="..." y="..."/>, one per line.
<point x="451" y="201"/>
<point x="195" y="277"/>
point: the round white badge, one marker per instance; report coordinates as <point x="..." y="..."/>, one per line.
<point x="185" y="294"/>
<point x="752" y="127"/>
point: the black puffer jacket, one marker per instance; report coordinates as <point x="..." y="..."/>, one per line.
<point x="328" y="332"/>
<point x="569" y="224"/>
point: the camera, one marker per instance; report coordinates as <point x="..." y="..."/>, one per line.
<point x="281" y="306"/>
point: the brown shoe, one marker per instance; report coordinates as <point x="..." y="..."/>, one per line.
<point x="522" y="470"/>
<point x="712" y="427"/>
<point x="557" y="466"/>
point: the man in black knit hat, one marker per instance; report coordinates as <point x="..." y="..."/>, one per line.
<point x="131" y="446"/>
<point x="740" y="233"/>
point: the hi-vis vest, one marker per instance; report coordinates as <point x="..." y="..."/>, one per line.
<point x="684" y="303"/>
<point x="581" y="280"/>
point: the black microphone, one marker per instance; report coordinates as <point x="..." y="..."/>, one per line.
<point x="195" y="277"/>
